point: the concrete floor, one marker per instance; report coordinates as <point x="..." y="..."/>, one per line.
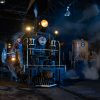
<point x="87" y="89"/>
<point x="36" y="94"/>
<point x="80" y="90"/>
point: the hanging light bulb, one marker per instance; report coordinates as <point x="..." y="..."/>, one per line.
<point x="2" y="1"/>
<point x="67" y="12"/>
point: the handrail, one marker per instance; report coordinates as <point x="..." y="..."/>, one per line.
<point x="43" y="49"/>
<point x="45" y="65"/>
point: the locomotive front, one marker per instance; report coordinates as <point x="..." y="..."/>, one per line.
<point x="36" y="58"/>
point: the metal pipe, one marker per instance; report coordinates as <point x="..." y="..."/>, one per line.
<point x="46" y="65"/>
<point x="11" y="53"/>
<point x="59" y="59"/>
<point x="27" y="53"/>
<point x="59" y="52"/>
<point x="43" y="49"/>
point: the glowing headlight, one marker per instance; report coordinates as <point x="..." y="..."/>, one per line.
<point x="28" y="28"/>
<point x="9" y="46"/>
<point x="13" y="58"/>
<point x="44" y="23"/>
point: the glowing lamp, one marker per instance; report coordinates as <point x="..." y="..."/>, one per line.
<point x="28" y="28"/>
<point x="9" y="46"/>
<point x="13" y="58"/>
<point x="44" y="23"/>
<point x="56" y="32"/>
<point x="2" y="1"/>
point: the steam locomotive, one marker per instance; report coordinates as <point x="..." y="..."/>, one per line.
<point x="35" y="59"/>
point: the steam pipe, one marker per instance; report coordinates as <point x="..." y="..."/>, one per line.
<point x="59" y="59"/>
<point x="27" y="53"/>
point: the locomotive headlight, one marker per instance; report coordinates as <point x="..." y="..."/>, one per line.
<point x="9" y="45"/>
<point x="44" y="23"/>
<point x="42" y="40"/>
<point x="28" y="28"/>
<point x="56" y="32"/>
<point x="13" y="58"/>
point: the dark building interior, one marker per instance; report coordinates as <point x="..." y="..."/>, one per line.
<point x="53" y="44"/>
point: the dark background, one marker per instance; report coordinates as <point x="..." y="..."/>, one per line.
<point x="84" y="21"/>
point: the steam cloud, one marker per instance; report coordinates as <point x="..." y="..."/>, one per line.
<point x="92" y="72"/>
<point x="90" y="12"/>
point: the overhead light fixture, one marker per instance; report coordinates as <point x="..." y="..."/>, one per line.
<point x="67" y="13"/>
<point x="2" y="1"/>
